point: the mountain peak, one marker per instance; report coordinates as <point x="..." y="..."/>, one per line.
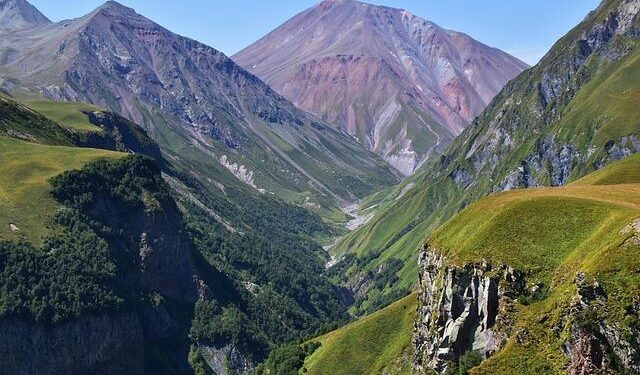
<point x="354" y="4"/>
<point x="19" y="14"/>
<point x="114" y="7"/>
<point x="382" y="74"/>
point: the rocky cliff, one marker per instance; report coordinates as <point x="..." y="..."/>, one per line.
<point x="596" y="345"/>
<point x="536" y="281"/>
<point x="474" y="308"/>
<point x="461" y="309"/>
<point x="122" y="309"/>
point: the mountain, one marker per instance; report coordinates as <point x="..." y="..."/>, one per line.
<point x="537" y="281"/>
<point x="19" y="14"/>
<point x="571" y="114"/>
<point x="205" y="111"/>
<point x="404" y="86"/>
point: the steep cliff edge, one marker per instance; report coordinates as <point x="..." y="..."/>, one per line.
<point x="461" y="309"/>
<point x="113" y="290"/>
<point x="536" y="281"/>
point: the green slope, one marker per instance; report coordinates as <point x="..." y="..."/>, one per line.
<point x="69" y="114"/>
<point x="33" y="149"/>
<point x="572" y="113"/>
<point x="19" y="121"/>
<point x="25" y="200"/>
<point x="380" y="342"/>
<point x="552" y="234"/>
<point x="549" y="233"/>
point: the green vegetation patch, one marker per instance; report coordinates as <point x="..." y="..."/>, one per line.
<point x="68" y="114"/>
<point x="376" y="343"/>
<point x="625" y="171"/>
<point x="530" y="234"/>
<point x="26" y="206"/>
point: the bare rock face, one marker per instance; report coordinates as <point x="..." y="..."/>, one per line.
<point x="555" y="82"/>
<point x="598" y="346"/>
<point x="402" y="85"/>
<point x="101" y="345"/>
<point x="459" y="308"/>
<point x="226" y="360"/>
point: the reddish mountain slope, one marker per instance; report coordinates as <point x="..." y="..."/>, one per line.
<point x="402" y="85"/>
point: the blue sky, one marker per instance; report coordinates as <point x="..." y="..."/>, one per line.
<point x="524" y="28"/>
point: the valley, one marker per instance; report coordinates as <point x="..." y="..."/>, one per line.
<point x="359" y="191"/>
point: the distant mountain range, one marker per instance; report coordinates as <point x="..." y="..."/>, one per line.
<point x="200" y="106"/>
<point x="404" y="86"/>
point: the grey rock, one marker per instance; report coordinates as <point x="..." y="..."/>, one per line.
<point x="226" y="360"/>
<point x="458" y="310"/>
<point x="592" y="346"/>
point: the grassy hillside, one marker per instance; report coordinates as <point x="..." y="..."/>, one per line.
<point x="69" y="114"/>
<point x="574" y="112"/>
<point x="26" y="206"/>
<point x="376" y="343"/>
<point x="21" y="122"/>
<point x="552" y="234"/>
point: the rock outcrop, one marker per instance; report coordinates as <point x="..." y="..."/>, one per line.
<point x="226" y="360"/>
<point x="596" y="345"/>
<point x="461" y="309"/>
<point x="471" y="308"/>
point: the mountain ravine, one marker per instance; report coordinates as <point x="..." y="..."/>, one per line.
<point x="402" y="85"/>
